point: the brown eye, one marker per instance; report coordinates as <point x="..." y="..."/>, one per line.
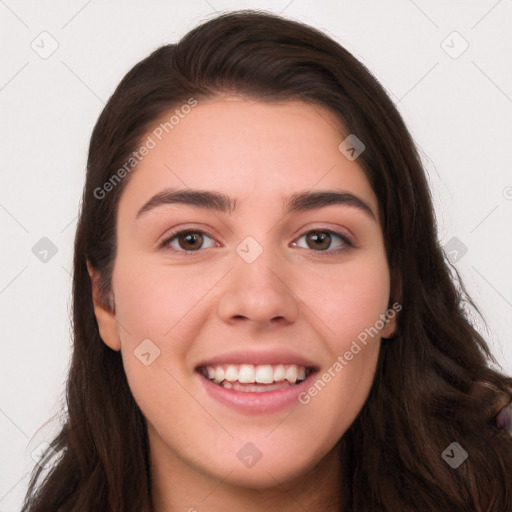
<point x="187" y="241"/>
<point x="325" y="240"/>
<point x="318" y="240"/>
<point x="190" y="241"/>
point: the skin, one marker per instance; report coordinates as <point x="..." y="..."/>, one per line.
<point x="196" y="306"/>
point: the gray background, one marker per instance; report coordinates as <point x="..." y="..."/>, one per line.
<point x="457" y="103"/>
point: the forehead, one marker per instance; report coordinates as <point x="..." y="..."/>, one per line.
<point x="254" y="151"/>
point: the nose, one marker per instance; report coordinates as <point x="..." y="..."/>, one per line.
<point x="259" y="292"/>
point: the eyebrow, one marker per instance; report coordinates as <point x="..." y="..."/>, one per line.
<point x="217" y="201"/>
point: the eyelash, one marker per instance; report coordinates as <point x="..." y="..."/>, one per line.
<point x="348" y="244"/>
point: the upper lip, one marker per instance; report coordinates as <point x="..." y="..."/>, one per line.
<point x="256" y="357"/>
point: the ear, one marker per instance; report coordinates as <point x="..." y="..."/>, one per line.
<point x="394" y="306"/>
<point x="389" y="329"/>
<point x="104" y="312"/>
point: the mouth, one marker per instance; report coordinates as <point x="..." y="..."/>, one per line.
<point x="251" y="378"/>
<point x="256" y="382"/>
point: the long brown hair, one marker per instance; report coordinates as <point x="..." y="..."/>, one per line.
<point x="434" y="384"/>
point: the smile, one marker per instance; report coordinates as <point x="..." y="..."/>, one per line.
<point x="255" y="378"/>
<point x="278" y="392"/>
<point x="256" y="382"/>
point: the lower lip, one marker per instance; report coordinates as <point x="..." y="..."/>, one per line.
<point x="251" y="402"/>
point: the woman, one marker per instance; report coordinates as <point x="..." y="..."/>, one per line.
<point x="263" y="316"/>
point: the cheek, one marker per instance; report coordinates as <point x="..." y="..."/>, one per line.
<point x="346" y="299"/>
<point x="148" y="309"/>
<point x="336" y="396"/>
<point x="349" y="305"/>
<point x="155" y="308"/>
<point x="157" y="301"/>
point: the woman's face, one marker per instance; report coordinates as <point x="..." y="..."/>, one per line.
<point x="272" y="288"/>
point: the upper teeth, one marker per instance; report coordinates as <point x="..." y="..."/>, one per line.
<point x="261" y="374"/>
